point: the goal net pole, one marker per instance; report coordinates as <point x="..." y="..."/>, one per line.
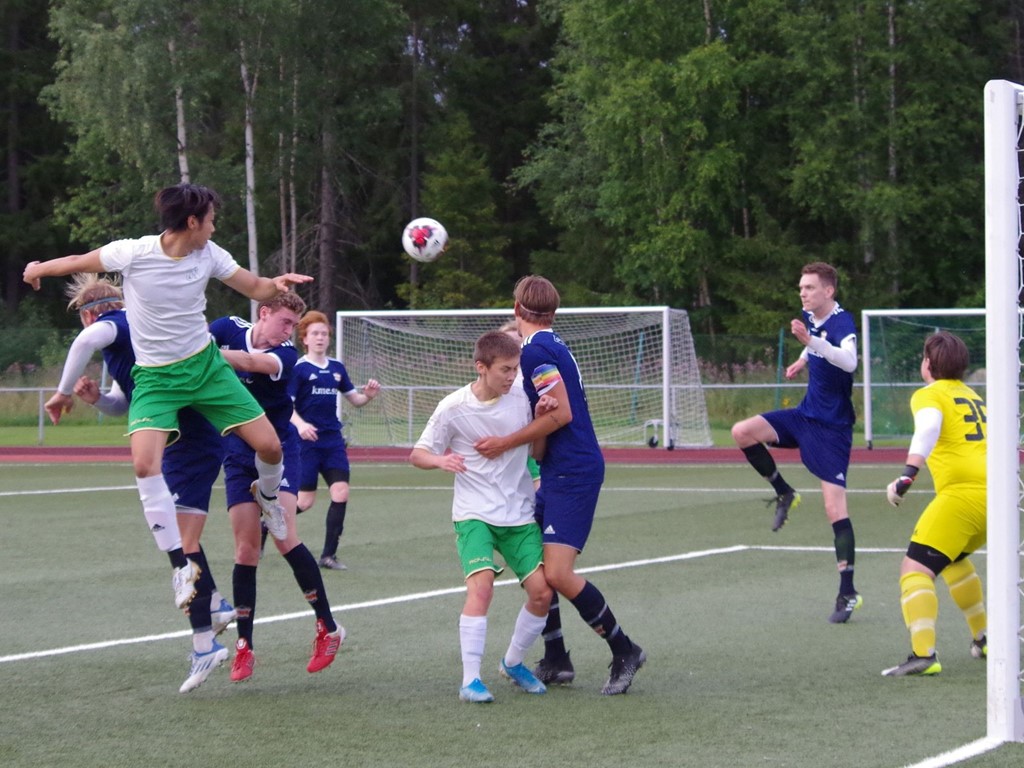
<point x="1003" y="338"/>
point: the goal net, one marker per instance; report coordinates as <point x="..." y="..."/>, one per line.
<point x="638" y="365"/>
<point x="1003" y="286"/>
<point x="892" y="341"/>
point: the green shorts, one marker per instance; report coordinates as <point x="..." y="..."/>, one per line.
<point x="205" y="381"/>
<point x="533" y="467"/>
<point x="520" y="545"/>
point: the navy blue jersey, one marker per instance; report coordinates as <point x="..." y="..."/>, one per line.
<point x="315" y="391"/>
<point x="829" y="388"/>
<point x="119" y="356"/>
<point x="271" y="393"/>
<point x="572" y="452"/>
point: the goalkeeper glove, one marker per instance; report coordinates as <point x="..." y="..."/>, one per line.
<point x="898" y="488"/>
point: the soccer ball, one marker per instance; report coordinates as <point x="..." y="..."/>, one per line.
<point x="424" y="239"/>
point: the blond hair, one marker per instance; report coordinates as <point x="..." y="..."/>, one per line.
<point x="88" y="291"/>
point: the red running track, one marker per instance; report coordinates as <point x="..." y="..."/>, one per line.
<point x="357" y="455"/>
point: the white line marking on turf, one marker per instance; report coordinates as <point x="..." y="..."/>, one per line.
<point x="448" y="488"/>
<point x="413" y="597"/>
<point x="966" y="752"/>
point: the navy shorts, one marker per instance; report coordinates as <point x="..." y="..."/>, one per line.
<point x="192" y="463"/>
<point x="565" y="511"/>
<point x="240" y="468"/>
<point x="824" y="450"/>
<point x="325" y="456"/>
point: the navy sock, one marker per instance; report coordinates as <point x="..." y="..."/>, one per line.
<point x="335" y="525"/>
<point x="845" y="553"/>
<point x="177" y="557"/>
<point x="594" y="610"/>
<point x="761" y="460"/>
<point x="199" y="608"/>
<point x="199" y="558"/>
<point x="311" y="582"/>
<point x="554" y="643"/>
<point x="243" y="579"/>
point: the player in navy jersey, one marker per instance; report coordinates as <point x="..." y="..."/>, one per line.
<point x="264" y="357"/>
<point x="572" y="471"/>
<point x="190" y="465"/>
<point x="821" y="426"/>
<point x="315" y="383"/>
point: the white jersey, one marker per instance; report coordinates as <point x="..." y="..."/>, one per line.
<point x="166" y="298"/>
<point x="498" y="491"/>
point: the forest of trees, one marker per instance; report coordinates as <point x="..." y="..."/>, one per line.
<point x="692" y="153"/>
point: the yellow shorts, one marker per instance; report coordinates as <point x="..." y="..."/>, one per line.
<point x="954" y="522"/>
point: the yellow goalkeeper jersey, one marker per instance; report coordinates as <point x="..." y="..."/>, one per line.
<point x="958" y="457"/>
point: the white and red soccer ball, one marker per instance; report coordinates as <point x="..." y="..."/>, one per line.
<point x="424" y="239"/>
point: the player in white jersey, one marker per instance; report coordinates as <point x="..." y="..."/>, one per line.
<point x="492" y="508"/>
<point x="164" y="278"/>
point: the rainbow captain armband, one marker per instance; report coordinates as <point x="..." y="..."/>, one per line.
<point x="545" y="378"/>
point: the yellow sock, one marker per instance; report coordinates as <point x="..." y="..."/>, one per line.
<point x="920" y="609"/>
<point x="965" y="589"/>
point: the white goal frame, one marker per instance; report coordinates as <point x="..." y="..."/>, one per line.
<point x="1004" y="331"/>
<point x="678" y="387"/>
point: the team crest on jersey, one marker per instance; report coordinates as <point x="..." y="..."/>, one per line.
<point x="337" y="377"/>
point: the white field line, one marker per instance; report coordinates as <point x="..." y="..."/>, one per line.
<point x="965" y="752"/>
<point x="409" y="598"/>
<point x="418" y="488"/>
<point x="953" y="756"/>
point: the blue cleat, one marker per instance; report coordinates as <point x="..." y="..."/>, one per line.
<point x="522" y="677"/>
<point x="476" y="692"/>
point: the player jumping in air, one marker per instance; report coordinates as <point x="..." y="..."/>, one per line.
<point x="821" y="426"/>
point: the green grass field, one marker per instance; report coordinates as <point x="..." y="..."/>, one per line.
<point x="743" y="667"/>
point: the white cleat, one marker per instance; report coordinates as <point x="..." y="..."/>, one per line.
<point x="271" y="513"/>
<point x="183" y="582"/>
<point x="221" y="616"/>
<point x="202" y="665"/>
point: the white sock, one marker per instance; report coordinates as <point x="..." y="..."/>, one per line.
<point x="202" y="642"/>
<point x="158" y="508"/>
<point x="269" y="477"/>
<point x="528" y="629"/>
<point x="472" y="637"/>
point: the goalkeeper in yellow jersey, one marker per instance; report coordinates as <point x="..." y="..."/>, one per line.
<point x="949" y="433"/>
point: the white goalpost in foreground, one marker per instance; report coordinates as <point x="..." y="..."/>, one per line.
<point x="1004" y="333"/>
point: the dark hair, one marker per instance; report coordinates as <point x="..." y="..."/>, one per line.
<point x="537" y="298"/>
<point x="947" y="355"/>
<point x="825" y="272"/>
<point x="494" y="345"/>
<point x="175" y="204"/>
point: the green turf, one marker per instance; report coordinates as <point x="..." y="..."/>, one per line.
<point x="744" y="668"/>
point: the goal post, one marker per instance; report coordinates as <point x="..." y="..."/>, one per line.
<point x="1003" y="284"/>
<point x="892" y="341"/>
<point x="638" y="364"/>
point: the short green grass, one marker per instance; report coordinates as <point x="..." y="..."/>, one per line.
<point x="744" y="669"/>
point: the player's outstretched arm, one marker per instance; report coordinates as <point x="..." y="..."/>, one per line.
<point x="261" y="288"/>
<point x="65" y="265"/>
